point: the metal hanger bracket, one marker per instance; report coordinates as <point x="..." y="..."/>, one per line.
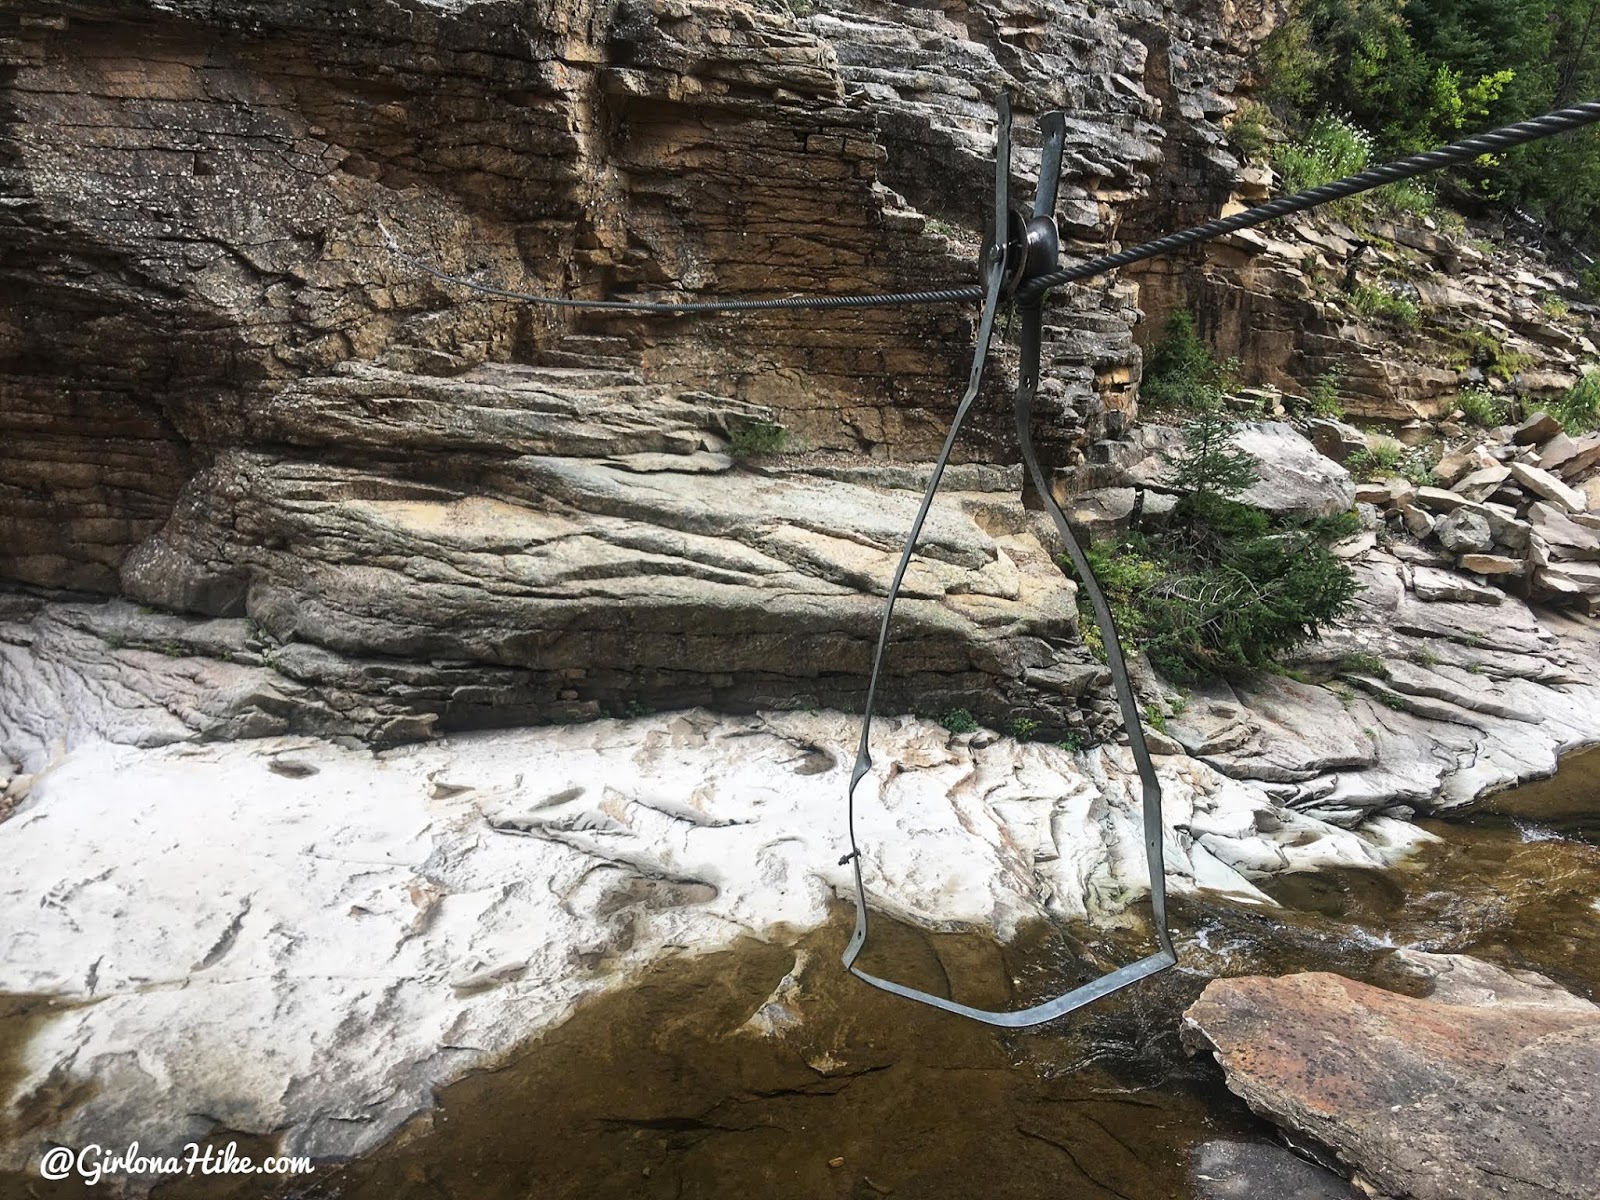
<point x="1019" y="248"/>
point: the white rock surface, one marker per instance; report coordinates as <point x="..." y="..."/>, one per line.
<point x="284" y="934"/>
<point x="1439" y="702"/>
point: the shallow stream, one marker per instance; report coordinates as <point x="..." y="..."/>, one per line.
<point x="764" y="1071"/>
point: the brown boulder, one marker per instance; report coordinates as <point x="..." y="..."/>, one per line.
<point x="1536" y="430"/>
<point x="1483" y="1089"/>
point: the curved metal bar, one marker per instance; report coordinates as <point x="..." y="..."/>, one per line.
<point x="996" y="272"/>
<point x="1032" y="321"/>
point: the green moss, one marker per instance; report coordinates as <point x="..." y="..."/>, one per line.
<point x="758" y="439"/>
<point x="1362" y="664"/>
<point x="959" y="720"/>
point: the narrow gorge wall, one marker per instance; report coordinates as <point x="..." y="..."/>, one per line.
<point x="221" y="397"/>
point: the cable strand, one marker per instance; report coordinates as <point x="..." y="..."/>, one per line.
<point x="950" y="295"/>
<point x="1562" y="121"/>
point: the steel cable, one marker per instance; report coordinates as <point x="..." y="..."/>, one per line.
<point x="1561" y="121"/>
<point x="951" y="295"/>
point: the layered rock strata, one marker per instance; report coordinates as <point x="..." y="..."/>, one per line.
<point x="1405" y="311"/>
<point x="198" y="189"/>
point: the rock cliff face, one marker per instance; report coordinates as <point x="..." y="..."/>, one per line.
<point x="261" y="480"/>
<point x="205" y="343"/>
<point x="384" y="508"/>
<point x="1490" y="313"/>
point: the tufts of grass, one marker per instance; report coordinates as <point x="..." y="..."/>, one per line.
<point x="1481" y="407"/>
<point x="1579" y="410"/>
<point x="1362" y="664"/>
<point x="1380" y="459"/>
<point x="1555" y="305"/>
<point x="1380" y="304"/>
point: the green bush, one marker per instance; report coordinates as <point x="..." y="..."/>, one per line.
<point x="1208" y="464"/>
<point x="1481" y="407"/>
<point x="757" y="439"/>
<point x="1324" y="397"/>
<point x="1181" y="370"/>
<point x="1379" y="460"/>
<point x="1377" y="303"/>
<point x="1363" y="663"/>
<point x="1554" y="305"/>
<point x="1410" y="197"/>
<point x="1248" y="132"/>
<point x="1023" y="728"/>
<point x="1579" y="410"/>
<point x="1591" y="280"/>
<point x="1291" y="68"/>
<point x="1226" y="587"/>
<point x="959" y="720"/>
<point x="1331" y="148"/>
<point x="1421" y="72"/>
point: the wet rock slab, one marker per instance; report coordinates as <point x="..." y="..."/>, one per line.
<point x="1249" y="1170"/>
<point x="1485" y="1087"/>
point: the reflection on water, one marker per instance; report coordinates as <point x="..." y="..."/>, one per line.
<point x="709" y="1079"/>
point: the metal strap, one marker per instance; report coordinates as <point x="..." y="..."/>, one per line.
<point x="1032" y="321"/>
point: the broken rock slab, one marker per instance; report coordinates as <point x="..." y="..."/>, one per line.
<point x="1482" y="1090"/>
<point x="1542" y="483"/>
<point x="1295" y="479"/>
<point x="1434" y="585"/>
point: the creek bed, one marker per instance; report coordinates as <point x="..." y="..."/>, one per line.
<point x="764" y="1070"/>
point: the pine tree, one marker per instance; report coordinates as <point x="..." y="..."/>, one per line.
<point x="1210" y="464"/>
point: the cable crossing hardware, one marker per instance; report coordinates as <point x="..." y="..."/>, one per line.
<point x="1019" y="263"/>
